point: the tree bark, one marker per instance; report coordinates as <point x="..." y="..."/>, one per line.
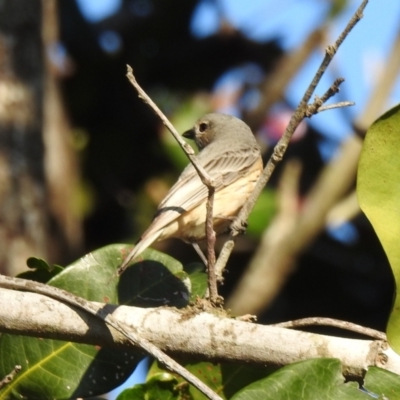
<point x="187" y="333"/>
<point x="28" y="225"/>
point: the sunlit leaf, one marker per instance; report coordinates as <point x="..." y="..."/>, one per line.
<point x="54" y="369"/>
<point x="224" y="379"/>
<point x="198" y="278"/>
<point x="383" y="383"/>
<point x="306" y="380"/>
<point x="378" y="190"/>
<point x="161" y="386"/>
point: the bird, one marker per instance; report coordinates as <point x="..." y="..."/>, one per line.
<point x="229" y="153"/>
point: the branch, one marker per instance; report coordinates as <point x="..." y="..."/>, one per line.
<point x="265" y="275"/>
<point x="205" y="178"/>
<point x="298" y="116"/>
<point x="341" y="104"/>
<point x="270" y="263"/>
<point x="183" y="333"/>
<point x="210" y="235"/>
<point x="320" y="321"/>
<point x="103" y="312"/>
<point x="236" y="301"/>
<point x="318" y="107"/>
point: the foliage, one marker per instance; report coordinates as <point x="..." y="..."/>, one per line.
<point x="61" y="370"/>
<point x="378" y="190"/>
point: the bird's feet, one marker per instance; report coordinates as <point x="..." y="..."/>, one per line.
<point x="238" y="227"/>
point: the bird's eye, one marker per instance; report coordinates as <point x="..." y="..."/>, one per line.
<point x="203" y="127"/>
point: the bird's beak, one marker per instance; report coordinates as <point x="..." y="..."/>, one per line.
<point x="190" y="134"/>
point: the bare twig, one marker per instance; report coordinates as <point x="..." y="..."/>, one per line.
<point x="223" y="258"/>
<point x="340" y="104"/>
<point x="334" y="89"/>
<point x="8" y="378"/>
<point x="205" y="178"/>
<point x="317" y="105"/>
<point x="210" y="235"/>
<point x="336" y="323"/>
<point x="319" y="101"/>
<point x="104" y="314"/>
<point x="265" y="279"/>
<point x="298" y="116"/>
<point x="270" y="264"/>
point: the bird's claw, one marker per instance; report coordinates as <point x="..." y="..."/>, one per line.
<point x="238" y="227"/>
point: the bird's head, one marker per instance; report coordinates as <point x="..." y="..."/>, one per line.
<point x="213" y="126"/>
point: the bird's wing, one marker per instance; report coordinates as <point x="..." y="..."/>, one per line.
<point x="188" y="192"/>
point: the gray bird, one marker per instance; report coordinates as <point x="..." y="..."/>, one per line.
<point x="230" y="154"/>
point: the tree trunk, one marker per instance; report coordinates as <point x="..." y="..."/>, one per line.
<point x="28" y="226"/>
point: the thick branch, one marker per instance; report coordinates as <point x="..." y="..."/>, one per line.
<point x="103" y="312"/>
<point x="180" y="332"/>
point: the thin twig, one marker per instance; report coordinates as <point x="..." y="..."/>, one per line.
<point x="340" y="104"/>
<point x="8" y="378"/>
<point x="210" y="234"/>
<point x="314" y="107"/>
<point x="270" y="255"/>
<point x="298" y="116"/>
<point x="205" y="178"/>
<point x="336" y="323"/>
<point x="223" y="258"/>
<point x="280" y="148"/>
<point x="104" y="314"/>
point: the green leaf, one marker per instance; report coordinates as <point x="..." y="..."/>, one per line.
<point x="382" y="383"/>
<point x="38" y="263"/>
<point x="305" y="380"/>
<point x="138" y="392"/>
<point x="378" y="190"/>
<point x="42" y="271"/>
<point x="156" y="280"/>
<point x="63" y="370"/>
<point x="198" y="277"/>
<point x="224" y="379"/>
<point x="263" y="213"/>
<point x="161" y="386"/>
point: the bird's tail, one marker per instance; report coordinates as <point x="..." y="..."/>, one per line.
<point x="140" y="247"/>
